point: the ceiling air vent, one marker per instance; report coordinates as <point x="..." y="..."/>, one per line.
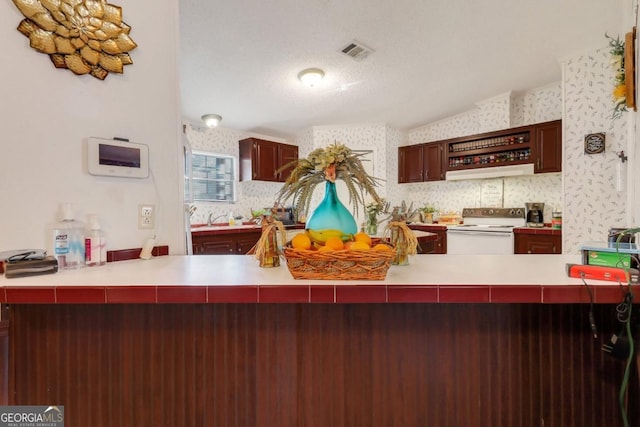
<point x="356" y="50"/>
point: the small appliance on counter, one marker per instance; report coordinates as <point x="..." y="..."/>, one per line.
<point x="534" y="214"/>
<point x="286" y="215"/>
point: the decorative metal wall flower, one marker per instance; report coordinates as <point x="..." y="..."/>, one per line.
<point x="620" y="89"/>
<point x="84" y="36"/>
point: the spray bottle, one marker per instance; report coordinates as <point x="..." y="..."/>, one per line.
<point x="95" y="245"/>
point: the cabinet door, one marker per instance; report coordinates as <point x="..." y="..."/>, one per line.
<point x="537" y="244"/>
<point x="286" y="154"/>
<point x="410" y="164"/>
<point x="245" y="242"/>
<point x="216" y="245"/>
<point x="434" y="247"/>
<point x="265" y="163"/>
<point x="548" y="147"/>
<point x="433" y="162"/>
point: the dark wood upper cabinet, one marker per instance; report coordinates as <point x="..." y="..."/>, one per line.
<point x="547" y="147"/>
<point x="410" y="164"/>
<point x="434" y="162"/>
<point x="539" y="144"/>
<point x="260" y="160"/>
<point x="422" y="162"/>
<point x="286" y="155"/>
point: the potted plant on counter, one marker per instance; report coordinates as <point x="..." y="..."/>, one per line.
<point x="426" y="214"/>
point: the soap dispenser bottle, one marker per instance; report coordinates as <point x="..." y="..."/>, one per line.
<point x="95" y="245"/>
<point x="232" y="220"/>
<point x="68" y="240"/>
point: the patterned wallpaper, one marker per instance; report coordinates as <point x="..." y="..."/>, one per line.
<point x="495" y="113"/>
<point x="592" y="204"/>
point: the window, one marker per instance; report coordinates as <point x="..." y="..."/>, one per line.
<point x="213" y="177"/>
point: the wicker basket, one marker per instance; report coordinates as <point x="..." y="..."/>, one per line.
<point x="338" y="265"/>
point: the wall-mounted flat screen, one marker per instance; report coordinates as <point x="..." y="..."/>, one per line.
<point x="109" y="157"/>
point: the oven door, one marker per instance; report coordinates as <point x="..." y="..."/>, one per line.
<point x="479" y="242"/>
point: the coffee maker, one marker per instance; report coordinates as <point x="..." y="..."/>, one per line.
<point x="534" y="214"/>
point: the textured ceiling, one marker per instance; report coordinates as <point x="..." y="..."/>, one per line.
<point x="431" y="59"/>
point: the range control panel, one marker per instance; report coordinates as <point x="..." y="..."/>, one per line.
<point x="493" y="213"/>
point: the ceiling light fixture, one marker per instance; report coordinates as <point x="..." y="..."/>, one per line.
<point x="211" y="120"/>
<point x="311" y="76"/>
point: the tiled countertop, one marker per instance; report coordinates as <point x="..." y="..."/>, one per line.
<point x="239" y="279"/>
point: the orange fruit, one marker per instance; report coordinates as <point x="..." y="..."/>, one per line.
<point x="381" y="247"/>
<point x="361" y="236"/>
<point x="360" y="245"/>
<point x="334" y="243"/>
<point x="325" y="249"/>
<point x="347" y="245"/>
<point x="301" y="241"/>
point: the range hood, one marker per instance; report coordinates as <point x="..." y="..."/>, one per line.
<point x="490" y="172"/>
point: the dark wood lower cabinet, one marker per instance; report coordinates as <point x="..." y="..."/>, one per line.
<point x="438" y="246"/>
<point x="198" y="365"/>
<point x="537" y="243"/>
<point x="224" y="244"/>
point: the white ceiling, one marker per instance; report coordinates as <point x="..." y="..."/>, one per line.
<point x="432" y="58"/>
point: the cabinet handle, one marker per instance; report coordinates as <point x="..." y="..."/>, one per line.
<point x="528" y="252"/>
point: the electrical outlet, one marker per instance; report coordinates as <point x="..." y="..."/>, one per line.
<point x="146" y="216"/>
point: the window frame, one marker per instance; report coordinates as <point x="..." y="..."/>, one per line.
<point x="196" y="196"/>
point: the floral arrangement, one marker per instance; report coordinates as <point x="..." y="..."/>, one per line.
<point x="620" y="89"/>
<point x="331" y="163"/>
<point x="373" y="209"/>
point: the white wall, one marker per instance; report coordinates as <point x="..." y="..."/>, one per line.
<point x="47" y="114"/>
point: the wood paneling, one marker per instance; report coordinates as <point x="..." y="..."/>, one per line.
<point x="497" y="365"/>
<point x="4" y="357"/>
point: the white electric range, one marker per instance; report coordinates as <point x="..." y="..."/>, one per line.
<point x="485" y="231"/>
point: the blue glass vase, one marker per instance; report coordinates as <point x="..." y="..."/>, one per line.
<point x="331" y="214"/>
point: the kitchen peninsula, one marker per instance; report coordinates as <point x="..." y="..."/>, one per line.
<point x="217" y="340"/>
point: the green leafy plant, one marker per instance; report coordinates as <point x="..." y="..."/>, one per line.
<point x="331" y="163"/>
<point x="427" y="209"/>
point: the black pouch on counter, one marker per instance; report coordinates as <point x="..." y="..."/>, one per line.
<point x="31" y="267"/>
